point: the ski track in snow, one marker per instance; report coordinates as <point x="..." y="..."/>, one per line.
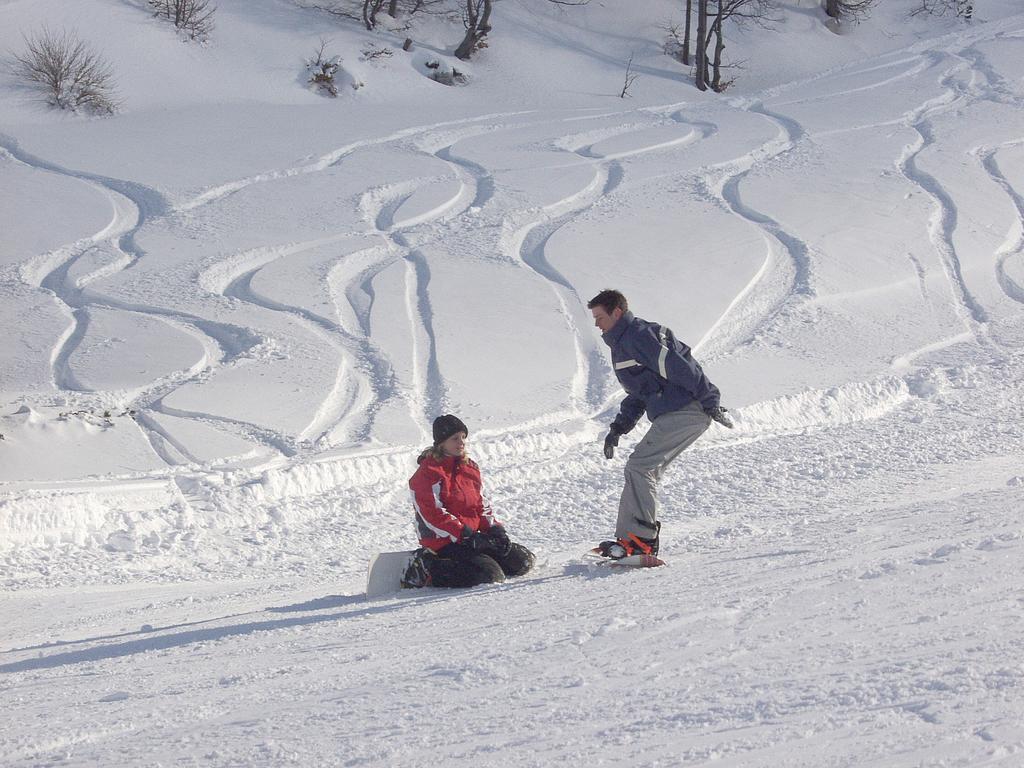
<point x="528" y="241"/>
<point x="133" y="206"/>
<point x="784" y="275"/>
<point x="1014" y="245"/>
<point x="944" y="222"/>
<point x="766" y="293"/>
<point x="1000" y="91"/>
<point x="431" y="388"/>
<point x="327" y="161"/>
<point x="526" y="244"/>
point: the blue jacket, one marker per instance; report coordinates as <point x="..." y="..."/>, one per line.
<point x="656" y="370"/>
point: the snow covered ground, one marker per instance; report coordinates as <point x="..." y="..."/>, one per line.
<point x="231" y="310"/>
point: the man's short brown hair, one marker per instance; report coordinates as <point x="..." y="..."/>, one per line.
<point x="609" y="300"/>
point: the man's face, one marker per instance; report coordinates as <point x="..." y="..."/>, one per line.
<point x="455" y="445"/>
<point x="603" y="320"/>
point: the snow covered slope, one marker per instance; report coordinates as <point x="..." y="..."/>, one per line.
<point x="231" y="310"/>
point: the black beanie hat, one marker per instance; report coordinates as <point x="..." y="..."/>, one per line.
<point x="446" y="426"/>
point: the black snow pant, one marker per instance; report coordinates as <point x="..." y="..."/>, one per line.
<point x="459" y="566"/>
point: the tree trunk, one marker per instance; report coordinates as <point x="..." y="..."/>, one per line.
<point x="393" y="9"/>
<point x="478" y="24"/>
<point x="832" y="8"/>
<point x="686" y="34"/>
<point x="716" y="82"/>
<point x="370" y="10"/>
<point x="702" y="52"/>
<point x="465" y="49"/>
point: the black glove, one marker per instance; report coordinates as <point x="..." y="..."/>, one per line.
<point x="489" y="543"/>
<point x="718" y="413"/>
<point x="611" y="440"/>
<point x="501" y="544"/>
<point x="479" y="541"/>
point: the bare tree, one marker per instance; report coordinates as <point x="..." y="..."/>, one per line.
<point x="68" y="71"/>
<point x="855" y="10"/>
<point x="631" y="77"/>
<point x="687" y="32"/>
<point x="709" y="71"/>
<point x="193" y="17"/>
<point x="477" y="18"/>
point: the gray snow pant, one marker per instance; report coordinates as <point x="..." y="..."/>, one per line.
<point x="670" y="434"/>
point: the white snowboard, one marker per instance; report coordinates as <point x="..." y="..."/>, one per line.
<point x="385" y="573"/>
<point x="638" y="561"/>
<point x="632" y="561"/>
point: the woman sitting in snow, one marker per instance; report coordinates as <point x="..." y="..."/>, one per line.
<point x="462" y="545"/>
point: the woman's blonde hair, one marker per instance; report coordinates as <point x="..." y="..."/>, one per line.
<point x="436" y="453"/>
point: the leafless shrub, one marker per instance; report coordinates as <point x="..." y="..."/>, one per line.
<point x="376" y="53"/>
<point x="675" y="42"/>
<point x="369" y="11"/>
<point x="436" y="7"/>
<point x="193" y="17"/>
<point x="71" y="74"/>
<point x="343" y="10"/>
<point x="963" y="9"/>
<point x="323" y="70"/>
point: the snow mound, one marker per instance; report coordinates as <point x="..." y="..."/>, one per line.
<point x="820" y="408"/>
<point x="50" y="444"/>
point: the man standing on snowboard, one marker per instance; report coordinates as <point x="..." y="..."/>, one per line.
<point x="662" y="379"/>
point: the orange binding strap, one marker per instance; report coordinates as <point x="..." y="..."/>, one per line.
<point x="642" y="545"/>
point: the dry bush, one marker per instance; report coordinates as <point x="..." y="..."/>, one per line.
<point x="963" y="9"/>
<point x="68" y="71"/>
<point x="323" y="69"/>
<point x="193" y="17"/>
<point x="376" y="53"/>
<point x="326" y="73"/>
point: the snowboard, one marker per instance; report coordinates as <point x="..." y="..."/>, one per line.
<point x="385" y="572"/>
<point x="631" y="561"/>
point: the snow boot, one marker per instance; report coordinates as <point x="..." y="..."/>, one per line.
<point x="417" y="574"/>
<point x="630" y="545"/>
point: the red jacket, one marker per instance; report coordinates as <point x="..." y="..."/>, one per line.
<point x="449" y="504"/>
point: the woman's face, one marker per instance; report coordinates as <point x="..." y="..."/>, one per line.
<point x="455" y="445"/>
